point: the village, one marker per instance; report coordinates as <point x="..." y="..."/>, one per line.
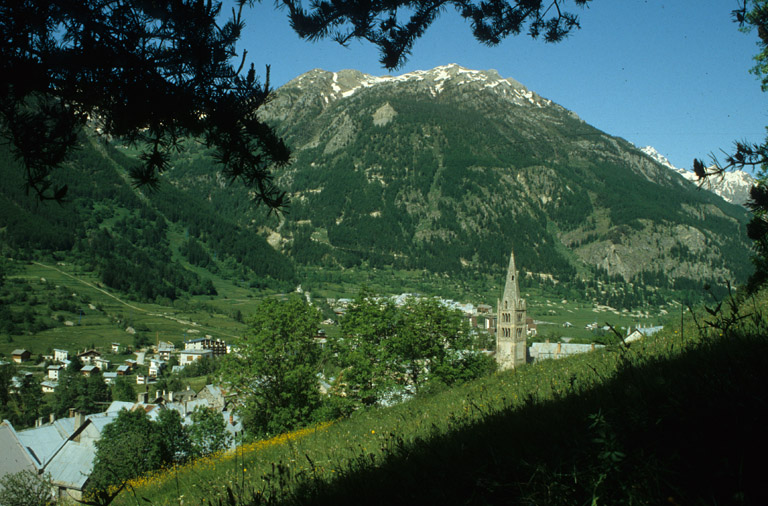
<point x="64" y="448"/>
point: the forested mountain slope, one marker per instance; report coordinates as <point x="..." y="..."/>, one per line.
<point x="449" y="169"/>
<point x="140" y="242"/>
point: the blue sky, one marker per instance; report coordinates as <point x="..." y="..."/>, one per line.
<point x="671" y="74"/>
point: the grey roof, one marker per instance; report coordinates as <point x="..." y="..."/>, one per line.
<point x="549" y="350"/>
<point x="49" y="383"/>
<point x="19" y="351"/>
<point x="72" y="466"/>
<point x="649" y="331"/>
<point x="43" y="442"/>
<point x="101" y="420"/>
<point x="15" y="457"/>
<point x="116" y="406"/>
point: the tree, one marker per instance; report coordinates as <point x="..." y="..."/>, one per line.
<point x="275" y="368"/>
<point x="174" y="439"/>
<point x="155" y="72"/>
<point x="7" y="372"/>
<point x="149" y="72"/>
<point x="382" y="346"/>
<point x="129" y="447"/>
<point x="208" y="432"/>
<point x="427" y="331"/>
<point x="25" y="488"/>
<point x="746" y="155"/>
<point x="394" y="26"/>
<point x="123" y="390"/>
<point x="363" y="349"/>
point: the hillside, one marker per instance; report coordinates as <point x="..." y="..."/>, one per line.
<point x="676" y="418"/>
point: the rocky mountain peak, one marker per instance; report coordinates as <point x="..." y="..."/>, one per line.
<point x="345" y="83"/>
<point x="732" y="186"/>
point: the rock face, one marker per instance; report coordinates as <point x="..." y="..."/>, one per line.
<point x="447" y="169"/>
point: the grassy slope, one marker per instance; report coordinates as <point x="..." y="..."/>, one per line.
<point x="105" y="325"/>
<point x="671" y="420"/>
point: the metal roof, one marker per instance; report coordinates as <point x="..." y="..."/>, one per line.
<point x="15" y="456"/>
<point x="72" y="466"/>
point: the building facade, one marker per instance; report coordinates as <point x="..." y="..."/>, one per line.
<point x="511" y="318"/>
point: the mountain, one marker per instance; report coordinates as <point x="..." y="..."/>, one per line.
<point x="733" y="186"/>
<point x="441" y="172"/>
<point x="448" y="169"/>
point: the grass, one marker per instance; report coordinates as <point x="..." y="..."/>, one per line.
<point x="672" y="419"/>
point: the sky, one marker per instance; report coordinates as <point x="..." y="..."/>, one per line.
<point x="670" y="74"/>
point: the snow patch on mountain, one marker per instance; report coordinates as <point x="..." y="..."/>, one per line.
<point x="346" y="83"/>
<point x="733" y="186"/>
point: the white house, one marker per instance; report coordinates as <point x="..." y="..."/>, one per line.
<point x="155" y="367"/>
<point x="60" y="355"/>
<point x="186" y="357"/>
<point x="53" y="372"/>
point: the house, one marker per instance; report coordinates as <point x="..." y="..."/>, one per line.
<point x="49" y="386"/>
<point x="89" y="356"/>
<point x="217" y="346"/>
<point x="186" y="357"/>
<point x="62" y="449"/>
<point x="156" y="367"/>
<point x="21" y="355"/>
<point x="633" y="336"/>
<point x="87" y="370"/>
<point x="53" y="372"/>
<point x="101" y="363"/>
<point x="164" y="350"/>
<point x="214" y="396"/>
<point x="115" y="347"/>
<point x="131" y="363"/>
<point x="532" y="327"/>
<point x="123" y="370"/>
<point x="60" y="355"/>
<point x="109" y="377"/>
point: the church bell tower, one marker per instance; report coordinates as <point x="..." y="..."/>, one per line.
<point x="511" y="329"/>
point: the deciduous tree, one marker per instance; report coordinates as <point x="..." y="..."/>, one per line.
<point x="208" y="432"/>
<point x="363" y="348"/>
<point x="274" y="369"/>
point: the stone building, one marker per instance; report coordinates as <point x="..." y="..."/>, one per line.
<point x="511" y="323"/>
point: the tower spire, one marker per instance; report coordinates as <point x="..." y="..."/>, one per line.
<point x="511" y="326"/>
<point x="511" y="290"/>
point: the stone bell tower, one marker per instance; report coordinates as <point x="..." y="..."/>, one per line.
<point x="510" y="323"/>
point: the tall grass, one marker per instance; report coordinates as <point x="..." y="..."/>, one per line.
<point x="670" y="419"/>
